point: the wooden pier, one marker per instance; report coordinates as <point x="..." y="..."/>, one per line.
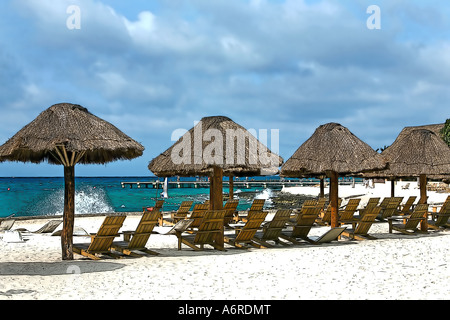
<point x="236" y="184"/>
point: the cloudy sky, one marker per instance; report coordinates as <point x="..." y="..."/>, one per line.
<point x="151" y="67"/>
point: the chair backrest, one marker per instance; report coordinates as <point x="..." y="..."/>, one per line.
<point x="231" y="204"/>
<point x="366" y="221"/>
<point x="211" y="227"/>
<point x="408" y="204"/>
<point x="230" y="207"/>
<point x="184" y="208"/>
<point x="144" y="229"/>
<point x="305" y="221"/>
<point x="327" y="215"/>
<point x="350" y="208"/>
<point x="391" y="207"/>
<point x="330" y="235"/>
<point x="413" y="220"/>
<point x="254" y="221"/>
<point x="104" y="238"/>
<point x="6" y="224"/>
<point x="445" y="206"/>
<point x="321" y="203"/>
<point x="385" y="202"/>
<point x="158" y="205"/>
<point x="372" y="203"/>
<point x="257" y="205"/>
<point x="272" y="230"/>
<point x="198" y="214"/>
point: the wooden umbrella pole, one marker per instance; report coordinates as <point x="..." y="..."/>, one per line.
<point x="334" y="199"/>
<point x="69" y="213"/>
<point x="392" y="188"/>
<point x="216" y="198"/>
<point x="322" y="188"/>
<point x="423" y="200"/>
<point x="231" y="187"/>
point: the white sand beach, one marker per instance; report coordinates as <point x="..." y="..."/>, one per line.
<point x="394" y="266"/>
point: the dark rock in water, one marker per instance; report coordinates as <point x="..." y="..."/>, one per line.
<point x="284" y="200"/>
<point x="278" y="199"/>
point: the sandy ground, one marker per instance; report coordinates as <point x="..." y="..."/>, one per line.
<point x="394" y="266"/>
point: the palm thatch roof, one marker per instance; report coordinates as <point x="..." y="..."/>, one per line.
<point x="69" y="133"/>
<point x="332" y="147"/>
<point x="215" y="142"/>
<point x="416" y="152"/>
<point x="436" y="128"/>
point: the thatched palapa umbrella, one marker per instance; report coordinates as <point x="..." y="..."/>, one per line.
<point x="214" y="147"/>
<point x="417" y="153"/>
<point x="332" y="150"/>
<point x="68" y="134"/>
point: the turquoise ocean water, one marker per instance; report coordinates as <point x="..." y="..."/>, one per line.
<point x="45" y="196"/>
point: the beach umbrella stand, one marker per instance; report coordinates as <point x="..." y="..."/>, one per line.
<point x="68" y="134"/>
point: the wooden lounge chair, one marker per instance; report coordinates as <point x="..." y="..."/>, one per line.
<point x="158" y="207"/>
<point x="197" y="214"/>
<point x="102" y="240"/>
<point x="441" y="218"/>
<point x="326" y="218"/>
<point x="303" y="225"/>
<point x="372" y="203"/>
<point x="181" y="213"/>
<point x="329" y="236"/>
<point x="209" y="232"/>
<point x="6" y="225"/>
<point x="137" y="240"/>
<point x="230" y="207"/>
<point x="360" y="228"/>
<point x="257" y="205"/>
<point x="321" y="203"/>
<point x="272" y="229"/>
<point x="406" y="208"/>
<point x="49" y="227"/>
<point x="244" y="234"/>
<point x="306" y="207"/>
<point x="346" y="215"/>
<point x="390" y="209"/>
<point x="411" y="221"/>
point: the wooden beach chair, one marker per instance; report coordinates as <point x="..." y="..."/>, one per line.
<point x="244" y="234"/>
<point x="210" y="231"/>
<point x="406" y="208"/>
<point x="257" y="205"/>
<point x="346" y="215"/>
<point x="181" y="213"/>
<point x="441" y="218"/>
<point x="102" y="240"/>
<point x="231" y="210"/>
<point x="306" y="206"/>
<point x="272" y="229"/>
<point x="360" y="228"/>
<point x="372" y="203"/>
<point x="137" y="240"/>
<point x="197" y="214"/>
<point x="411" y="221"/>
<point x="158" y="207"/>
<point x="390" y="209"/>
<point x="331" y="235"/>
<point x="303" y="225"/>
<point x="6" y="225"/>
<point x="326" y="218"/>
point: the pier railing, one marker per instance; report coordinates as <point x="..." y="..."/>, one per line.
<point x="236" y="184"/>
